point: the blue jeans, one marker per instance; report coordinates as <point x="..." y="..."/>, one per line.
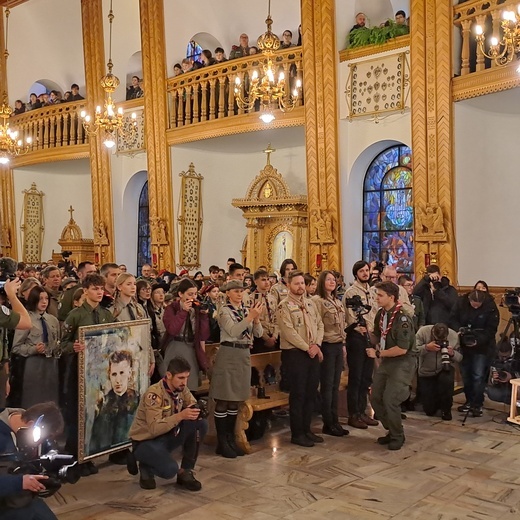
<point x="36" y="510"/>
<point x="154" y="455"/>
<point x="474" y="368"/>
<point x="500" y="393"/>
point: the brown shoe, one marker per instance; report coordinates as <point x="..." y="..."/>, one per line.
<point x="368" y="420"/>
<point x="356" y="422"/>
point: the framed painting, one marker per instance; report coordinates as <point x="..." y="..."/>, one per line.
<point x="113" y="375"/>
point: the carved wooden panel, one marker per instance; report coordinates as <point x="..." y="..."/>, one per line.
<point x="33" y="225"/>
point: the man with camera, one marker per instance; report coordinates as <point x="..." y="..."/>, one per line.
<point x="19" y="492"/>
<point x="16" y="317"/>
<point x="504" y="368"/>
<point x="476" y="318"/>
<point x="438" y="348"/>
<point x="168" y="417"/>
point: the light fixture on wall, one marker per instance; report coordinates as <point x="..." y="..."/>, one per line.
<point x="270" y="91"/>
<point x="503" y="51"/>
<point x="110" y="121"/>
<point x="10" y="145"/>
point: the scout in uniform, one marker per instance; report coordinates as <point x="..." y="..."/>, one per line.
<point x="301" y="335"/>
<point x="397" y="352"/>
<point x="166" y="419"/>
<point x="279" y="290"/>
<point x="269" y="340"/>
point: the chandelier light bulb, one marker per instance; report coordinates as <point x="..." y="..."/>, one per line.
<point x="479" y="30"/>
<point x="281" y="76"/>
<point x="4" y="160"/>
<point x="494" y="41"/>
<point x="237" y="81"/>
<point x="98" y="110"/>
<point x="267" y="117"/>
<point x="295" y="93"/>
<point x="270" y="75"/>
<point x="255" y="75"/>
<point x="83" y="114"/>
<point x="298" y="83"/>
<point x="109" y="143"/>
<point x="134" y="116"/>
<point x="28" y="140"/>
<point x="120" y="111"/>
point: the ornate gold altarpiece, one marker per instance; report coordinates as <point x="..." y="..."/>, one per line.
<point x="32" y="225"/>
<point x="72" y="240"/>
<point x="277" y="225"/>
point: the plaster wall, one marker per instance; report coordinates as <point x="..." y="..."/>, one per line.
<point x="63" y="183"/>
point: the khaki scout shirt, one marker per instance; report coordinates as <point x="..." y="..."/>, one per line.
<point x="367" y="297"/>
<point x="402" y="333"/>
<point x="291" y="324"/>
<point x="404" y="300"/>
<point x="333" y="317"/>
<point x="268" y="323"/>
<point x="155" y="415"/>
<point x="279" y="291"/>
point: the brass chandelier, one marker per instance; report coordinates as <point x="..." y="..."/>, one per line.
<point x="503" y="51"/>
<point x="110" y="121"/>
<point x="265" y="88"/>
<point x="10" y="145"/>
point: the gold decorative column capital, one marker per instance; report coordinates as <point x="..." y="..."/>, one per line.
<point x="321" y="129"/>
<point x="94" y="57"/>
<point x="432" y="129"/>
<point x="156" y="118"/>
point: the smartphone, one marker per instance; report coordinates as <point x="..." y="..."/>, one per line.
<point x="258" y="297"/>
<point x="2" y="283"/>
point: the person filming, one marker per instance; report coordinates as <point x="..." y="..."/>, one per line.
<point x="438" y="348"/>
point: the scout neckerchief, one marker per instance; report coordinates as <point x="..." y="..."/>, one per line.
<point x="177" y="403"/>
<point x="239" y="315"/>
<point x="385" y="330"/>
<point x="306" y="318"/>
<point x="338" y="308"/>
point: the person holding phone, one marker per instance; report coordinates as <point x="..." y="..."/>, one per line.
<point x="270" y="337"/>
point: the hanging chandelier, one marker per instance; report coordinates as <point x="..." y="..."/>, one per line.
<point x="503" y="51"/>
<point x="269" y="90"/>
<point x="110" y="121"/>
<point x="10" y="145"/>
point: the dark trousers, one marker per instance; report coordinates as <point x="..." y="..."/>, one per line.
<point x="437" y="391"/>
<point x="391" y="387"/>
<point x="500" y="393"/>
<point x="474" y="368"/>
<point x="304" y="374"/>
<point x="285" y="377"/>
<point x="360" y="370"/>
<point x="330" y="375"/>
<point x="155" y="454"/>
<point x="36" y="510"/>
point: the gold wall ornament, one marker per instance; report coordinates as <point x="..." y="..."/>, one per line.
<point x="429" y="223"/>
<point x="321" y="122"/>
<point x="379" y="87"/>
<point x="32" y="225"/>
<point x="159" y="232"/>
<point x="320" y="227"/>
<point x="9" y="243"/>
<point x="132" y="143"/>
<point x="432" y="127"/>
<point x="160" y="192"/>
<point x="276" y="221"/>
<point x="72" y="241"/>
<point x="101" y="178"/>
<point x="101" y="234"/>
<point x="190" y="218"/>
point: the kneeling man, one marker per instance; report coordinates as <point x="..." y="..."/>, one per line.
<point x="166" y="420"/>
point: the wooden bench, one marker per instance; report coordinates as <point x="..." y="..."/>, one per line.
<point x="276" y="397"/>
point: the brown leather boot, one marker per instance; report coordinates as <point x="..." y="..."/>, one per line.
<point x="356" y="422"/>
<point x="368" y="420"/>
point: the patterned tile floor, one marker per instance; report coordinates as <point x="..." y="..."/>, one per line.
<point x="445" y="471"/>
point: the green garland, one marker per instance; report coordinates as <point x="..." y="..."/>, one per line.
<point x="376" y="35"/>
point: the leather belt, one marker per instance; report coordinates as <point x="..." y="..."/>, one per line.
<point x="234" y="345"/>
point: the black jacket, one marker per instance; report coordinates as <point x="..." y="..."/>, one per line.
<point x="439" y="305"/>
<point x="483" y="322"/>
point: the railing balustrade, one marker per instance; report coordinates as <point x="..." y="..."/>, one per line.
<point x="487" y="14"/>
<point x="208" y="93"/>
<point x="53" y="126"/>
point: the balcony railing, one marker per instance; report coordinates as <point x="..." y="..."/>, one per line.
<point x="54" y="126"/>
<point x="209" y="93"/>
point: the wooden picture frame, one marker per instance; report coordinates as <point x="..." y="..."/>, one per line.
<point x="112" y="375"/>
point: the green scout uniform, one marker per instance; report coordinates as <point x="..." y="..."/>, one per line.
<point x="8" y="321"/>
<point x="394" y="375"/>
<point x="67" y="302"/>
<point x="78" y="317"/>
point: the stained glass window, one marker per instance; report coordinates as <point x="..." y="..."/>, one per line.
<point x="193" y="51"/>
<point x="143" y="230"/>
<point x="388" y="209"/>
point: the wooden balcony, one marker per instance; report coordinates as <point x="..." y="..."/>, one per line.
<point x="369" y="50"/>
<point x="478" y="74"/>
<point x="201" y="104"/>
<point x="56" y="131"/>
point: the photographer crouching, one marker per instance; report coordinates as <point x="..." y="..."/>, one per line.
<point x="438" y="351"/>
<point x="22" y="476"/>
<point x="476" y="318"/>
<point x="168" y="417"/>
<point x="504" y="368"/>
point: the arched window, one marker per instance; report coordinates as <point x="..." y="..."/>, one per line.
<point x="143" y="230"/>
<point x="193" y="50"/>
<point x="388" y="209"/>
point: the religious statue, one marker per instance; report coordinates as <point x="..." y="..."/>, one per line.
<point x="268" y="191"/>
<point x="430" y="223"/>
<point x="158" y="229"/>
<point x="320" y="228"/>
<point x="100" y="234"/>
<point x="5" y="238"/>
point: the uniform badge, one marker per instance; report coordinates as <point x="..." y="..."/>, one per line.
<point x="153" y="399"/>
<point x="5" y="310"/>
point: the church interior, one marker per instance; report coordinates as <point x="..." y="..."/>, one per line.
<point x="194" y="177"/>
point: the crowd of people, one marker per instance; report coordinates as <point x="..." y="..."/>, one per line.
<point x="400" y="21"/>
<point x="54" y="97"/>
<point x="198" y="58"/>
<point x="385" y="329"/>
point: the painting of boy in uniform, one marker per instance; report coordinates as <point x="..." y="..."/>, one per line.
<point x="115" y="410"/>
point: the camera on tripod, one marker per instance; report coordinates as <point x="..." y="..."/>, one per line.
<point x="360" y="309"/>
<point x="445" y="355"/>
<point x="512" y="301"/>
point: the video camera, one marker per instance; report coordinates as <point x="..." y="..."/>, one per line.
<point x="467" y="337"/>
<point x="512" y="301"/>
<point x="360" y="309"/>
